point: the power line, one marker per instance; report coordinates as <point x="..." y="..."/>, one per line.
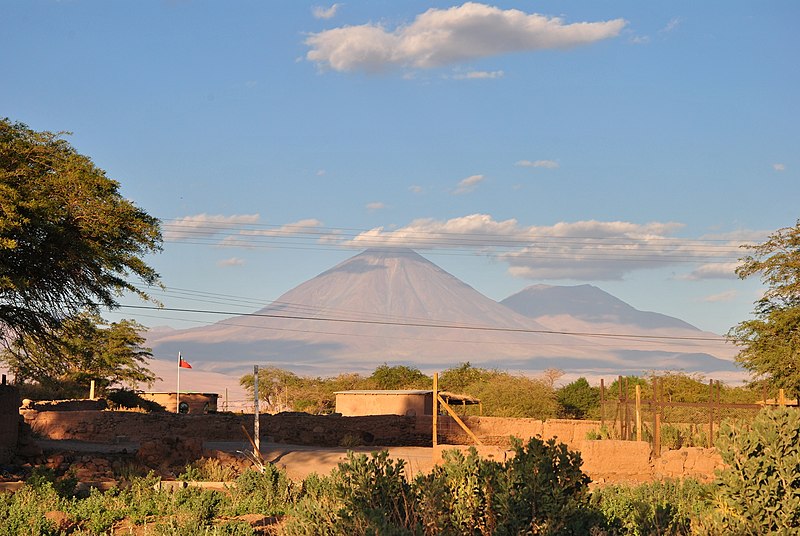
<point x="431" y="325"/>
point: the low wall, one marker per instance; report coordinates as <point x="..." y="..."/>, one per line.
<point x="498" y="430"/>
<point x="295" y="428"/>
<point x="9" y="421"/>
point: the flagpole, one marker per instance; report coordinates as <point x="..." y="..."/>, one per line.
<point x="178" y="394"/>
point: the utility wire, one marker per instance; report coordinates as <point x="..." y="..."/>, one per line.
<point x="428" y="325"/>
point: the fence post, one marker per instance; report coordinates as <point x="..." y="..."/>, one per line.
<point x="639" y="436"/>
<point x="781" y="398"/>
<point x="256" y="422"/>
<point x="435" y="410"/>
<point x="710" y="413"/>
<point x="602" y="403"/>
<point x="656" y="421"/>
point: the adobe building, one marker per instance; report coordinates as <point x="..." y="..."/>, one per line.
<point x="408" y="402"/>
<point x="191" y="403"/>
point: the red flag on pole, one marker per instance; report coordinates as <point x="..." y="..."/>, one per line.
<point x="182" y="363"/>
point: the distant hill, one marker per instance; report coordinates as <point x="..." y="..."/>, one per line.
<point x="588" y="303"/>
<point x="395" y="306"/>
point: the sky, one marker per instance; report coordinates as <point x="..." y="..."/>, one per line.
<point x="631" y="145"/>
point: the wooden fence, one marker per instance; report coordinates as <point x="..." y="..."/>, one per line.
<point x="635" y="418"/>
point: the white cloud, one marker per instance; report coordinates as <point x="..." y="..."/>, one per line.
<point x="441" y="37"/>
<point x="639" y="39"/>
<point x="583" y="250"/>
<point x="233" y="261"/>
<point x="377" y="205"/>
<point x="467" y="185"/>
<point x="719" y="270"/>
<point x="415" y="189"/>
<point x="320" y="12"/>
<point x="671" y="25"/>
<point x="479" y="75"/>
<point x="321" y="172"/>
<point x="726" y="296"/>
<point x="204" y="225"/>
<point x="290" y="229"/>
<point x="779" y="167"/>
<point x="549" y="164"/>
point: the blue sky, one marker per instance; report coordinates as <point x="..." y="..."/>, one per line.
<point x="632" y="145"/>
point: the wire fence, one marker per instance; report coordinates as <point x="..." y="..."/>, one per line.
<point x="646" y="413"/>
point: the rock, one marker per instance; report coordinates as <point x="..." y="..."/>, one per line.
<point x="60" y="519"/>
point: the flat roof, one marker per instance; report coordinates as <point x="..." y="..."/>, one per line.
<point x="449" y="397"/>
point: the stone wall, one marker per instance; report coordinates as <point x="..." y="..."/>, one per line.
<point x="296" y="428"/>
<point x="9" y="421"/>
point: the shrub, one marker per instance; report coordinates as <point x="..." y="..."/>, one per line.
<point x="759" y="492"/>
<point x="364" y="495"/>
<point x="269" y="492"/>
<point x="667" y="507"/>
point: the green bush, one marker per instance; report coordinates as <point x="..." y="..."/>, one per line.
<point x="269" y="492"/>
<point x="667" y="507"/>
<point x="364" y="495"/>
<point x="759" y="492"/>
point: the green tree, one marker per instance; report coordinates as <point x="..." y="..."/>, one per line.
<point x="770" y="343"/>
<point x="578" y="399"/>
<point x="399" y="377"/>
<point x="84" y="348"/>
<point x="69" y="241"/>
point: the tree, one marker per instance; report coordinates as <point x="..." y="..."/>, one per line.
<point x="84" y="348"/>
<point x="69" y="241"/>
<point x="770" y="343"/>
<point x="578" y="399"/>
<point x="399" y="377"/>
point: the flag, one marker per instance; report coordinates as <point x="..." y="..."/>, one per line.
<point x="182" y="363"/>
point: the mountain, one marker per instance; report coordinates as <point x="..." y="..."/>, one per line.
<point x="395" y="306"/>
<point x="587" y="303"/>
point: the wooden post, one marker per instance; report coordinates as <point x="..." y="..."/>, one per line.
<point x="619" y="408"/>
<point x="656" y="421"/>
<point x="602" y="403"/>
<point x="627" y="415"/>
<point x="639" y="436"/>
<point x="710" y="413"/>
<point x="435" y="410"/>
<point x="781" y="398"/>
<point x="91" y="389"/>
<point x="256" y="421"/>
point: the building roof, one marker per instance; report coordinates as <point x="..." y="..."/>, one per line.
<point x="448" y="397"/>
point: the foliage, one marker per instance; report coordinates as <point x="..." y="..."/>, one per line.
<point x="456" y="496"/>
<point x="459" y="379"/>
<point x="265" y="492"/>
<point x="545" y="491"/>
<point x="501" y="394"/>
<point x="661" y="507"/>
<point x="770" y="343"/>
<point x="84" y="348"/>
<point x="579" y="400"/>
<point x="68" y="239"/>
<point x="364" y="495"/>
<point x="759" y="491"/>
<point x="125" y="398"/>
<point x="207" y="470"/>
<point x="399" y="377"/>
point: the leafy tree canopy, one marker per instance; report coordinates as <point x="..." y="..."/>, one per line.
<point x="578" y="399"/>
<point x="770" y="343"/>
<point x="399" y="377"/>
<point x="84" y="348"/>
<point x="69" y="241"/>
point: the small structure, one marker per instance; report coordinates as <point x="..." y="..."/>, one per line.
<point x="409" y="402"/>
<point x="192" y="403"/>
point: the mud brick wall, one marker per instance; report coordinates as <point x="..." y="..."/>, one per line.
<point x="297" y="428"/>
<point x="498" y="430"/>
<point x="9" y="421"/>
